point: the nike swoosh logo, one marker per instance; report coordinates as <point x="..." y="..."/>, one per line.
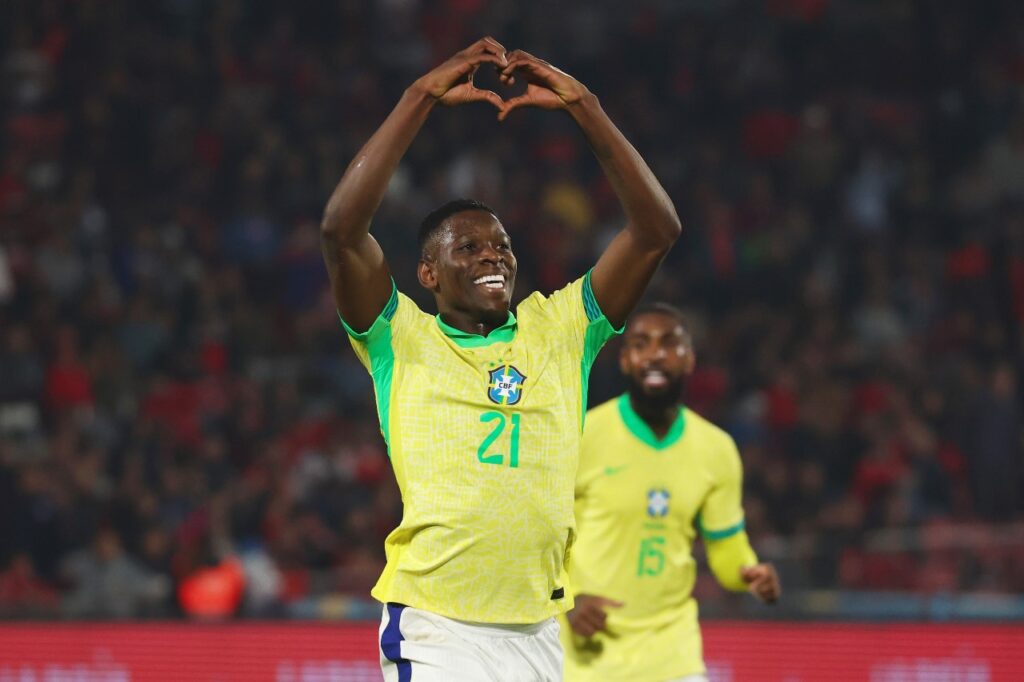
<point x="611" y="471"/>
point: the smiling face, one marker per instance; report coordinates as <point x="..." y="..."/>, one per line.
<point x="657" y="356"/>
<point x="469" y="266"/>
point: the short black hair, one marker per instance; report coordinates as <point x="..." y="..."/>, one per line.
<point x="662" y="308"/>
<point x="436" y="217"/>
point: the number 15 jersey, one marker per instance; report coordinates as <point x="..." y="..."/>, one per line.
<point x="484" y="436"/>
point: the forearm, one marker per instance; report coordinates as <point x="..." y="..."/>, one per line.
<point x="727" y="556"/>
<point x="649" y="210"/>
<point x="362" y="187"/>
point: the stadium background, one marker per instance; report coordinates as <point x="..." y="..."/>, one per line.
<point x="183" y="430"/>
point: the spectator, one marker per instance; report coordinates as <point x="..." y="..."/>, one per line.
<point x="171" y="366"/>
<point x="107" y="583"/>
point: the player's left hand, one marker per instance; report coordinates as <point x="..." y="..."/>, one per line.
<point x="763" y="582"/>
<point x="590" y="615"/>
<point x="546" y="86"/>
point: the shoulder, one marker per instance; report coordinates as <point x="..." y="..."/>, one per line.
<point x="555" y="303"/>
<point x="715" y="442"/>
<point x="405" y="312"/>
<point x="602" y="416"/>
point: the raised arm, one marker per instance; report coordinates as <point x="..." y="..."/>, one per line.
<point x="652" y="226"/>
<point x="360" y="279"/>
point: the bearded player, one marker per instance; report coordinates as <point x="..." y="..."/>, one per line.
<point x="482" y="409"/>
<point x="652" y="475"/>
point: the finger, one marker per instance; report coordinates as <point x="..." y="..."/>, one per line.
<point x="467" y="64"/>
<point x="766" y="589"/>
<point x="481" y="57"/>
<point x="595" y="621"/>
<point x="488" y="45"/>
<point x="770" y="594"/>
<point x="605" y="601"/>
<point x="525" y="63"/>
<point x="481" y="95"/>
<point x="751" y="573"/>
<point x="511" y="104"/>
<point x="520" y="54"/>
<point x="581" y="626"/>
<point x="495" y="45"/>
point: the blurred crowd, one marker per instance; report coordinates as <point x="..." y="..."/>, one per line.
<point x="183" y="427"/>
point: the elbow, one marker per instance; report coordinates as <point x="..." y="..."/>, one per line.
<point x="673" y="228"/>
<point x="668" y="232"/>
<point x="327" y="230"/>
<point x="329" y="222"/>
<point x="334" y="226"/>
<point x="668" y="227"/>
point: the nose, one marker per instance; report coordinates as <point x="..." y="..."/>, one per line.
<point x="489" y="254"/>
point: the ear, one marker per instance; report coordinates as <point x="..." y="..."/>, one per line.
<point x="689" y="361"/>
<point x="623" y="359"/>
<point x="426" y="275"/>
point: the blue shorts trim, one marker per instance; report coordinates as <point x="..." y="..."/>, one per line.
<point x="391" y="639"/>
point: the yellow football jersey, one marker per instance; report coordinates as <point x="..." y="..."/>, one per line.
<point x="638" y="503"/>
<point x="484" y="437"/>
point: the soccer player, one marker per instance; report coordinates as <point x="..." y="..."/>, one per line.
<point x="482" y="410"/>
<point x="651" y="474"/>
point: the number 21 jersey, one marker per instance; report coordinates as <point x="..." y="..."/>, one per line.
<point x="484" y="437"/>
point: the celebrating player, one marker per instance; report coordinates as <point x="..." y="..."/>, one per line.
<point x="482" y="410"/>
<point x="650" y="471"/>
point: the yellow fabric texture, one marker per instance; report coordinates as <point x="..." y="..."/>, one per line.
<point x="639" y="502"/>
<point x="480" y="539"/>
<point x="727" y="556"/>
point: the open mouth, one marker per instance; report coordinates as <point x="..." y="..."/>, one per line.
<point x="493" y="282"/>
<point x="654" y="379"/>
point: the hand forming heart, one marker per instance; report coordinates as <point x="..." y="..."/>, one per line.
<point x="547" y="87"/>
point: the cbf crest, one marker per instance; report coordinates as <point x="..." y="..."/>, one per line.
<point x="505" y="385"/>
<point x="657" y="502"/>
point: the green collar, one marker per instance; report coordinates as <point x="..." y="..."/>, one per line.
<point x="639" y="428"/>
<point x="503" y="334"/>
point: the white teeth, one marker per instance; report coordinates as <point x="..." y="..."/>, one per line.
<point x="491" y="281"/>
<point x="655" y="378"/>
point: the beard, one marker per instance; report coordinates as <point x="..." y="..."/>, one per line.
<point x="656" y="401"/>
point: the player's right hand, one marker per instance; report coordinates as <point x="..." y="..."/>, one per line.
<point x="451" y="83"/>
<point x="589" y="615"/>
<point x="547" y="87"/>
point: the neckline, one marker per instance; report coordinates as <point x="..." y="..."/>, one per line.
<point x="503" y="334"/>
<point x="639" y="428"/>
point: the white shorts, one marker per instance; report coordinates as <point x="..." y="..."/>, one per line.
<point x="419" y="646"/>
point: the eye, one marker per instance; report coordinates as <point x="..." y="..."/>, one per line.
<point x="504" y="247"/>
<point x="468" y="246"/>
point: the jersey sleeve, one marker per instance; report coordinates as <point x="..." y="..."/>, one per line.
<point x="574" y="311"/>
<point x="372" y="346"/>
<point x="727" y="557"/>
<point x="375" y="349"/>
<point x="721" y="515"/>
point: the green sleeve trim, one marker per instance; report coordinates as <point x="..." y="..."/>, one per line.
<point x="727" y="557"/>
<point x="382" y="364"/>
<point x="589" y="301"/>
<point x="381" y="354"/>
<point x="385" y="315"/>
<point x="724" y="533"/>
<point x="592" y="307"/>
<point x="598" y="332"/>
